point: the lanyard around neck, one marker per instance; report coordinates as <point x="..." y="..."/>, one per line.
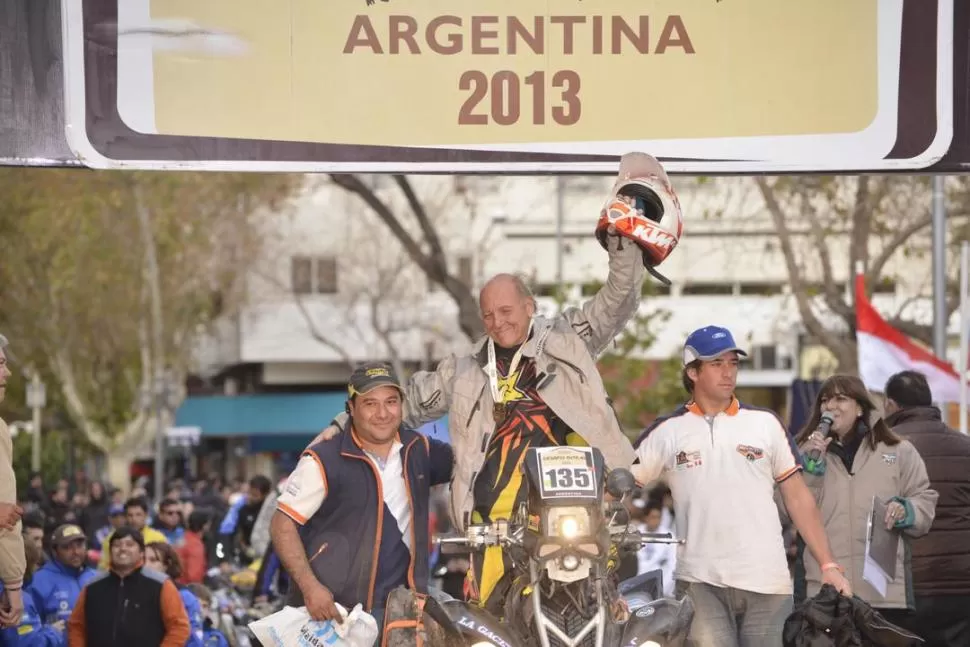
<point x="491" y="368"/>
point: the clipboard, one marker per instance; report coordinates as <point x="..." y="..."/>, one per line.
<point x="882" y="548"/>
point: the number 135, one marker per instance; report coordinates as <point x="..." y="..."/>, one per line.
<point x="504" y="91"/>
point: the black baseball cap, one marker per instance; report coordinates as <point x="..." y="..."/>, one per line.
<point x="67" y="533"/>
<point x="372" y="375"/>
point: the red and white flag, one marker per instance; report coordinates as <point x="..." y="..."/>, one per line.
<point x="884" y="351"/>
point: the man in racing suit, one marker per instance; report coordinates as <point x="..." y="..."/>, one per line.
<point x="533" y="381"/>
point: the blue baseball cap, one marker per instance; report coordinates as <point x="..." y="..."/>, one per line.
<point x="116" y="509"/>
<point x="709" y="342"/>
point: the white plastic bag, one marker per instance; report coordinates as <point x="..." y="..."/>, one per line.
<point x="292" y="627"/>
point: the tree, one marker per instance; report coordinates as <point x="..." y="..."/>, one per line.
<point x="641" y="389"/>
<point x="383" y="308"/>
<point x="867" y="220"/>
<point x="108" y="278"/>
<point x="409" y="220"/>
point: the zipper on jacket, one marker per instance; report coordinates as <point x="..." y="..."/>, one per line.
<point x="407" y="487"/>
<point x="124" y="608"/>
<point x="319" y="552"/>
<point x="579" y="371"/>
<point x="378" y="530"/>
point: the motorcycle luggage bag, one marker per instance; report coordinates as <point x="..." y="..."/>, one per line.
<point x="413" y="619"/>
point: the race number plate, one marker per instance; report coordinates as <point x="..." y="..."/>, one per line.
<point x="566" y="472"/>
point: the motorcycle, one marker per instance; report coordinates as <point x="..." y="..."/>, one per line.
<point x="564" y="541"/>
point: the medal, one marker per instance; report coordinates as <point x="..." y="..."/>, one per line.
<point x="499" y="406"/>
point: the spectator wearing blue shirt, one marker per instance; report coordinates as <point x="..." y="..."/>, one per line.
<point x="161" y="557"/>
<point x="211" y="637"/>
<point x="56" y="586"/>
<point x="32" y="632"/>
<point x="116" y="519"/>
<point x="169" y="521"/>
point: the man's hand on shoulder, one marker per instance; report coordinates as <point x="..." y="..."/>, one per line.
<point x="326" y="434"/>
<point x="10" y="514"/>
<point x="335" y="427"/>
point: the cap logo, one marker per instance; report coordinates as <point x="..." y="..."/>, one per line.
<point x="70" y="531"/>
<point x="718" y="335"/>
<point x="377" y="372"/>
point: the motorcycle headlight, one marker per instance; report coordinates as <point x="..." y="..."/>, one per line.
<point x="568" y="523"/>
<point x="568" y="527"/>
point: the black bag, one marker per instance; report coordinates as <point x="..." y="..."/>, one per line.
<point x="833" y="620"/>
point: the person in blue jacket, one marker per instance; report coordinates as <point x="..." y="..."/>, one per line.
<point x="211" y="637"/>
<point x="161" y="557"/>
<point x="116" y="519"/>
<point x="57" y="584"/>
<point x="32" y="632"/>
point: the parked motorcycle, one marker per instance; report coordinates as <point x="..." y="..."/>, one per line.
<point x="564" y="542"/>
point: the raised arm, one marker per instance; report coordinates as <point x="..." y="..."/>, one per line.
<point x="604" y="316"/>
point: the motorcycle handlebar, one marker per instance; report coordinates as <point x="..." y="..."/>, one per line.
<point x="637" y="539"/>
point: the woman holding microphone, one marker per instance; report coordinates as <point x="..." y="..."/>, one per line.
<point x="855" y="459"/>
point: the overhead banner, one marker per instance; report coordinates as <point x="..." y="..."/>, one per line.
<point x="733" y="86"/>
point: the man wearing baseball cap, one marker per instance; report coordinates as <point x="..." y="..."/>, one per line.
<point x="57" y="584"/>
<point x="722" y="460"/>
<point x="359" y="496"/>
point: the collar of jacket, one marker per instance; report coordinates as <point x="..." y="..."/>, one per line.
<point x="349" y="444"/>
<point x="135" y="571"/>
<point x="914" y="414"/>
<point x="541" y="327"/>
<point x="64" y="569"/>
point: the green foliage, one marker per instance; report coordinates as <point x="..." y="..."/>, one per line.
<point x="53" y="460"/>
<point x="641" y="389"/>
<point x="74" y="300"/>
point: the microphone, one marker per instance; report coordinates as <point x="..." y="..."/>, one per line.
<point x="815" y="456"/>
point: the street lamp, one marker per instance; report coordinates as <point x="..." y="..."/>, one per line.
<point x="36" y="401"/>
<point x="160" y="398"/>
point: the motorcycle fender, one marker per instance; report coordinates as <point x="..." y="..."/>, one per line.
<point x="636" y="631"/>
<point x="478" y="624"/>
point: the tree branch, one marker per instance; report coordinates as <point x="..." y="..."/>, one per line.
<point x="434" y="267"/>
<point x="74" y="401"/>
<point x="861" y="225"/>
<point x="874" y="271"/>
<point x="802" y="299"/>
<point x="421" y="215"/>
<point x="353" y="184"/>
<point x="833" y="298"/>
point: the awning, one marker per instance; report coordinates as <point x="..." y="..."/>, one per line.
<point x="277" y="414"/>
<point x="262" y="414"/>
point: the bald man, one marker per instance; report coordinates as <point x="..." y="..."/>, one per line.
<point x="531" y="381"/>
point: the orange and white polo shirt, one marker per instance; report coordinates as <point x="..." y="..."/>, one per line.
<point x="722" y="471"/>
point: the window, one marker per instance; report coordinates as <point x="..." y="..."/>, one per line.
<point x="466" y="270"/>
<point x="767" y="358"/>
<point x="762" y="289"/>
<point x="708" y="289"/>
<point x="326" y="275"/>
<point x="301" y="275"/>
<point x="313" y="275"/>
